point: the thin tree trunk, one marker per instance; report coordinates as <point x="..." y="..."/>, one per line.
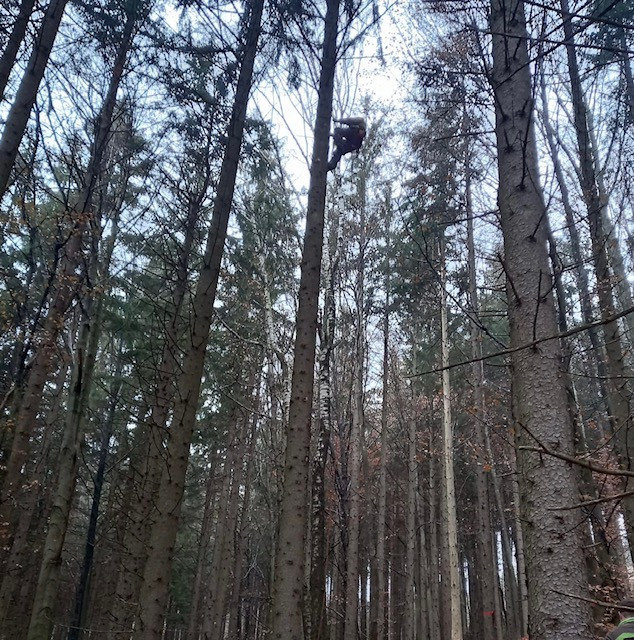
<point x="409" y="626"/>
<point x="287" y="622"/>
<point x="18" y="116"/>
<point x="485" y="565"/>
<point x="449" y="506"/>
<point x="351" y="631"/>
<point x="10" y="53"/>
<point x="380" y="612"/>
<point x="552" y="546"/>
<point x="91" y="535"/>
<point x="154" y="590"/>
<point x="435" y="626"/>
<point x="201" y="550"/>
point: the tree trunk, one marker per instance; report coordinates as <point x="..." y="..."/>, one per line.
<point x="10" y="53"/>
<point x="619" y="391"/>
<point x="14" y="565"/>
<point x="351" y="631"/>
<point x="18" y="116"/>
<point x="552" y="546"/>
<point x="449" y="505"/>
<point x="91" y="535"/>
<point x="318" y="505"/>
<point x="485" y="565"/>
<point x="154" y="590"/>
<point x="287" y="619"/>
<point x="381" y="566"/>
<point x="64" y="290"/>
<point x="409" y="627"/>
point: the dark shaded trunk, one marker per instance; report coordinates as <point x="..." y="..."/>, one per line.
<point x="10" y="53"/>
<point x="18" y="116"/>
<point x="91" y="534"/>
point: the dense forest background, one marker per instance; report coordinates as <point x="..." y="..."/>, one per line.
<point x="242" y="397"/>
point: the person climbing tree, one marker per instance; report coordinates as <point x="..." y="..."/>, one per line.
<point x="347" y="139"/>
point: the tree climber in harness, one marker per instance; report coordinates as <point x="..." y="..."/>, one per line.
<point x="625" y="629"/>
<point x="347" y="139"/>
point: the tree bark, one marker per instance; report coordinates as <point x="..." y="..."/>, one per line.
<point x="10" y="53"/>
<point x="154" y="590"/>
<point x="91" y="534"/>
<point x="553" y="550"/>
<point x="318" y="618"/>
<point x="619" y="391"/>
<point x="18" y="116"/>
<point x="449" y="505"/>
<point x="485" y="564"/>
<point x="287" y="623"/>
<point x="65" y="288"/>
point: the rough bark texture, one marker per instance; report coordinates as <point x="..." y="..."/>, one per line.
<point x="553" y="551"/>
<point x="20" y="111"/>
<point x="318" y="500"/>
<point x="154" y="590"/>
<point x="287" y="617"/>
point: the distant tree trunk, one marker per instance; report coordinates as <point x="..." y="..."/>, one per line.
<point x="201" y="550"/>
<point x="91" y="535"/>
<point x="619" y="391"/>
<point x="553" y="550"/>
<point x="10" y="53"/>
<point x="351" y="630"/>
<point x="449" y="504"/>
<point x="435" y="622"/>
<point x="18" y="116"/>
<point x="381" y="566"/>
<point x="409" y="626"/>
<point x="287" y="619"/>
<point x="485" y="564"/>
<point x="154" y="590"/>
<point x="424" y="595"/>
<point x="224" y="549"/>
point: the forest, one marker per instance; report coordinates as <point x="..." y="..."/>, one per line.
<point x="250" y="394"/>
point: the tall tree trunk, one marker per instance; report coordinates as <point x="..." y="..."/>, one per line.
<point x="14" y="565"/>
<point x="18" y="116"/>
<point x="351" y="631"/>
<point x="10" y="53"/>
<point x="91" y="534"/>
<point x="64" y="290"/>
<point x="619" y="391"/>
<point x="154" y="590"/>
<point x="485" y="564"/>
<point x="409" y="627"/>
<point x="449" y="503"/>
<point x="318" y="503"/>
<point x="553" y="553"/>
<point x="146" y="466"/>
<point x="287" y="623"/>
